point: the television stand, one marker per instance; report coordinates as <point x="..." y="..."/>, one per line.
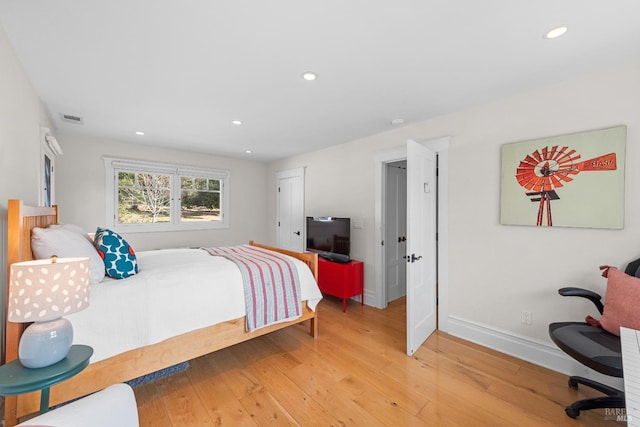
<point x="341" y="279"/>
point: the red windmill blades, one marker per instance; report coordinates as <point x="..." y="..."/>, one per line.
<point x="546" y="169"/>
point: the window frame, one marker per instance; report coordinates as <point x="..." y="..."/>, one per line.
<point x="115" y="165"/>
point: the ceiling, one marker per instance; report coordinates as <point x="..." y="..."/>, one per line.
<point x="181" y="71"/>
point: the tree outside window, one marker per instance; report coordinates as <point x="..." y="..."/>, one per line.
<point x="143" y="198"/>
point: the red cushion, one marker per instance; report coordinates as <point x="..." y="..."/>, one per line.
<point x="621" y="301"/>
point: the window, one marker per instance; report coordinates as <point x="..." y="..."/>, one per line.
<point x="49" y="150"/>
<point x="146" y="196"/>
<point x="199" y="199"/>
<point x="143" y="198"/>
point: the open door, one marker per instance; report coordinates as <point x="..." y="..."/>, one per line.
<point x="421" y="244"/>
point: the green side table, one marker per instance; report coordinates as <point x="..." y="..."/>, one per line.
<point x="16" y="379"/>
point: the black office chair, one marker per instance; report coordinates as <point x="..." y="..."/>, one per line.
<point x="593" y="347"/>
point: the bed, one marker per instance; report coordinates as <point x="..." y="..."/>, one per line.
<point x="115" y="365"/>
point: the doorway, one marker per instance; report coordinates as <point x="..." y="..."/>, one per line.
<point x="395" y="235"/>
<point x="380" y="297"/>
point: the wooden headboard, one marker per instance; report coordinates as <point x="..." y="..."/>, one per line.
<point x="21" y="219"/>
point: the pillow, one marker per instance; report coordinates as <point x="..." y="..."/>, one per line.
<point x="64" y="243"/>
<point x="118" y="256"/>
<point x="75" y="229"/>
<point x="622" y="301"/>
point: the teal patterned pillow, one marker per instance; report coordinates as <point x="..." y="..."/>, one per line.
<point x="118" y="256"/>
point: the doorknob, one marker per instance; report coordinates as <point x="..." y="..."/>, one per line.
<point x="296" y="232"/>
<point x="413" y="258"/>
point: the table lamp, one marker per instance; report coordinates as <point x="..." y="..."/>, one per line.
<point x="42" y="291"/>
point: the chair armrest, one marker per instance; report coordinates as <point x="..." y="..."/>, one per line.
<point x="584" y="293"/>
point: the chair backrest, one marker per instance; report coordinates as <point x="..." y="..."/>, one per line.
<point x="633" y="268"/>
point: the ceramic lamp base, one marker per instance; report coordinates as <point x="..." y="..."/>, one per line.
<point x="45" y="343"/>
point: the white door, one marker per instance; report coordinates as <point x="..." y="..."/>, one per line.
<point x="396" y="230"/>
<point x="421" y="245"/>
<point x="290" y="215"/>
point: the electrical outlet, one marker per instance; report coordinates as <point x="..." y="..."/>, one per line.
<point x="526" y="317"/>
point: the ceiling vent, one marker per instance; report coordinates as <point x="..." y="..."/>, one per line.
<point x="70" y="118"/>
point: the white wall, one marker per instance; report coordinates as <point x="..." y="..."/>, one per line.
<point x="80" y="191"/>
<point x="496" y="271"/>
<point x="21" y="115"/>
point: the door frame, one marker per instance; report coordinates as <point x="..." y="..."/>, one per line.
<point x="441" y="147"/>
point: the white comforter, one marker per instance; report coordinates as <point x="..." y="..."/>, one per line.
<point x="176" y="291"/>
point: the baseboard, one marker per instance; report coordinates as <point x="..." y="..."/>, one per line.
<point x="526" y="348"/>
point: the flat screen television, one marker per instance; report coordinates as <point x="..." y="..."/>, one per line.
<point x="330" y="237"/>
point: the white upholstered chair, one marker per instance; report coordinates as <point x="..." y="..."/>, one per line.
<point x="113" y="406"/>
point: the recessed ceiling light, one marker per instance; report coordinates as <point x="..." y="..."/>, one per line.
<point x="236" y="122"/>
<point x="139" y="133"/>
<point x="397" y="121"/>
<point x="248" y="151"/>
<point x="309" y="75"/>
<point x="556" y="32"/>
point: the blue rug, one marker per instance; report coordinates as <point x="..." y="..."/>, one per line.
<point x="145" y="379"/>
<point x="155" y="376"/>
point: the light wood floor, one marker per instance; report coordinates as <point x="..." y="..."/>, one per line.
<point x="356" y="373"/>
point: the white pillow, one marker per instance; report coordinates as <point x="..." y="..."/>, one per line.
<point x="75" y="229"/>
<point x="64" y="243"/>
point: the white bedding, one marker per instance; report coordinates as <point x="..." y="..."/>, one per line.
<point x="176" y="291"/>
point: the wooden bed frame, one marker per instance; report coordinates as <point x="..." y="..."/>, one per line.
<point x="132" y="364"/>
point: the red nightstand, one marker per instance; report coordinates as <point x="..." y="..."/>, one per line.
<point x="342" y="280"/>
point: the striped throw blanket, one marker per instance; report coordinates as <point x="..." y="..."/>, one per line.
<point x="271" y="284"/>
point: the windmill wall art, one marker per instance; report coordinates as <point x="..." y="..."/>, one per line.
<point x="574" y="180"/>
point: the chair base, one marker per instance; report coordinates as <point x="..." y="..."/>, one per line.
<point x="614" y="398"/>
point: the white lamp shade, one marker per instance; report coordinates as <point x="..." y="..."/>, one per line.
<point x="42" y="290"/>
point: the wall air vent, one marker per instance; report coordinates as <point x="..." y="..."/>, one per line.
<point x="70" y="118"/>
